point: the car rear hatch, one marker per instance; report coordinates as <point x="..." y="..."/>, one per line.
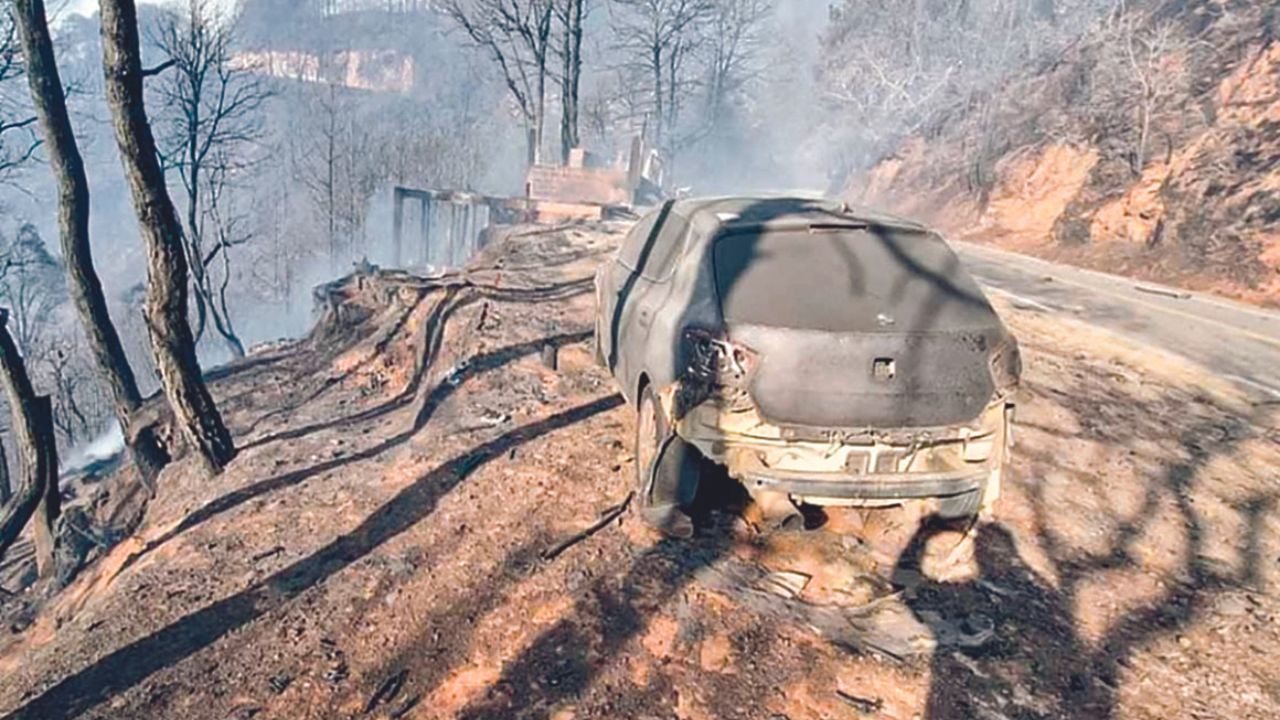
<point x="857" y="326"/>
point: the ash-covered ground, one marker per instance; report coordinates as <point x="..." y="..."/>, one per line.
<point x="378" y="549"/>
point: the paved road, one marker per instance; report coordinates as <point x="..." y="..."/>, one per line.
<point x="1239" y="341"/>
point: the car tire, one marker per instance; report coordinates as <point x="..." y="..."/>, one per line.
<point x="964" y="506"/>
<point x="666" y="469"/>
<point x="597" y="347"/>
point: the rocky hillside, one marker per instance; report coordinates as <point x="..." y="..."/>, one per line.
<point x="1149" y="147"/>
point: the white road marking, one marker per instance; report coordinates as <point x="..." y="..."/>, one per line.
<point x="1167" y="309"/>
<point x="1009" y="258"/>
<point x="1274" y="392"/>
<point x="1020" y="299"/>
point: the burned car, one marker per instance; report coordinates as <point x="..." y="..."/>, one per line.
<point x="822" y="355"/>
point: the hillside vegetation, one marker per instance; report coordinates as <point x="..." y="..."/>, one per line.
<point x="1150" y="146"/>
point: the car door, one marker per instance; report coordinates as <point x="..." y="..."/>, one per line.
<point x="635" y="276"/>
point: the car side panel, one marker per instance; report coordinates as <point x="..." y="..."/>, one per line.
<point x="686" y="299"/>
<point x="630" y="289"/>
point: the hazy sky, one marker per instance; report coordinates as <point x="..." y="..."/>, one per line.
<point x="59" y="8"/>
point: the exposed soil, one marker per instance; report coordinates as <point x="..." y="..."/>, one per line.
<point x="1045" y="164"/>
<point x="376" y="550"/>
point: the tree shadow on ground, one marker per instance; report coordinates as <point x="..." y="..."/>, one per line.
<point x="454" y="299"/>
<point x="1039" y="663"/>
<point x="482" y="363"/>
<point x="124" y="668"/>
<point x="1036" y="657"/>
<point x="564" y="660"/>
<point x="443" y="639"/>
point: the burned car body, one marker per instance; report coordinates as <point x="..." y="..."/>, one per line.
<point x="820" y="354"/>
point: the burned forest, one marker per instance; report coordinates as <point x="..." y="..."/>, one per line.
<point x="639" y="359"/>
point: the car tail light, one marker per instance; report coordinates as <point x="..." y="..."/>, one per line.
<point x="1006" y="366"/>
<point x="717" y="361"/>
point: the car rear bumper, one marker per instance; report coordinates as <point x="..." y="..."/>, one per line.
<point x="870" y="468"/>
<point x="878" y="486"/>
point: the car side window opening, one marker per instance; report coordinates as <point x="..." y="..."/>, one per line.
<point x="654" y="244"/>
<point x="633" y="245"/>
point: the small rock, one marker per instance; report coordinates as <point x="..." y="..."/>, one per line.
<point x="279" y="683"/>
<point x="1232" y="606"/>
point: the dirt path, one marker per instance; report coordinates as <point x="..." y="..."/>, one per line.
<point x="376" y="550"/>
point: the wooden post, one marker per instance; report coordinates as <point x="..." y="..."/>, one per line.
<point x="424" y="225"/>
<point x="397" y="225"/>
<point x="453" y="230"/>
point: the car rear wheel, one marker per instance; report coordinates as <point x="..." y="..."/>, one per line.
<point x="663" y="465"/>
<point x="649" y="433"/>
<point x="598" y="347"/>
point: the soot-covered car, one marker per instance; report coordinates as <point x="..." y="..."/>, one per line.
<point x="822" y="355"/>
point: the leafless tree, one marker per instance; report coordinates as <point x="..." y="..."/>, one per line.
<point x="30" y="285"/>
<point x="75" y="402"/>
<point x="210" y="120"/>
<point x="166" y="308"/>
<point x="334" y="157"/>
<point x="73" y="224"/>
<point x="38" y="494"/>
<point x="658" y="39"/>
<point x="18" y="140"/>
<point x="890" y="68"/>
<point x="517" y="36"/>
<point x="735" y="40"/>
<point x="1142" y="64"/>
<point x="570" y="15"/>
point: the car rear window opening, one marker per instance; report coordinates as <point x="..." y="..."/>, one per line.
<point x="853" y="280"/>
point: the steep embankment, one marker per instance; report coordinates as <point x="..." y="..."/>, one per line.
<point x="383" y="545"/>
<point x="1151" y="147"/>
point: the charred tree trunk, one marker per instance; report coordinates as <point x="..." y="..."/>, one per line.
<point x="6" y="490"/>
<point x="572" y="55"/>
<point x="167" y="271"/>
<point x="658" y="110"/>
<point x="48" y="97"/>
<point x="50" y="507"/>
<point x="37" y="450"/>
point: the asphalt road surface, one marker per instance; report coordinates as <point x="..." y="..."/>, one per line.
<point x="1242" y="342"/>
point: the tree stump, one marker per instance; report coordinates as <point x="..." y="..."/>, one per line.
<point x="38" y="453"/>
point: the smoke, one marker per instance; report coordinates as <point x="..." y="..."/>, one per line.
<point x="105" y="446"/>
<point x="774" y="139"/>
<point x="370" y="95"/>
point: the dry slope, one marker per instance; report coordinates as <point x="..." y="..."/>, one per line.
<point x="1053" y="163"/>
<point x="377" y="549"/>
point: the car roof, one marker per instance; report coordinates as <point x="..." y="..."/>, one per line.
<point x="707" y="216"/>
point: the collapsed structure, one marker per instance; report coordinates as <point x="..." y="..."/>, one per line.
<point x="443" y="228"/>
